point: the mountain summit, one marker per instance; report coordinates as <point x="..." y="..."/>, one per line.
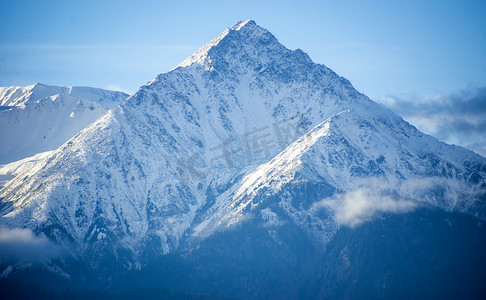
<point x="243" y="136"/>
<point x="244" y="40"/>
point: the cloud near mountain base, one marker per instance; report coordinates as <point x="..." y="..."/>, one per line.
<point x="18" y="244"/>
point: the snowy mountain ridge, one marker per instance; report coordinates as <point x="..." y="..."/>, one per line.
<point x="222" y="138"/>
<point x="330" y="157"/>
<point x="41" y="118"/>
<point x="15" y="95"/>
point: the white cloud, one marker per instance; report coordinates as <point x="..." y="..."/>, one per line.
<point x="17" y="244"/>
<point x="362" y="205"/>
<point x="366" y="200"/>
<point x="370" y="197"/>
<point x="387" y="101"/>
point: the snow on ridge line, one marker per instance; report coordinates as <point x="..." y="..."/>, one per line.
<point x="241" y="24"/>
<point x="43" y="125"/>
<point x="17" y="95"/>
<point x="298" y="147"/>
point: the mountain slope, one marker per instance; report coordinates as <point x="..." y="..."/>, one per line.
<point x="351" y="158"/>
<point x="221" y="139"/>
<point x="31" y="125"/>
<point x="9" y="171"/>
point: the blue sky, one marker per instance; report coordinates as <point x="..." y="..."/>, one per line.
<point x="385" y="48"/>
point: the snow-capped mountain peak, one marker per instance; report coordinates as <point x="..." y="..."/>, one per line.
<point x="217" y="139"/>
<point x="251" y="41"/>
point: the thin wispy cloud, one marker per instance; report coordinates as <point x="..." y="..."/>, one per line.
<point x="458" y="119"/>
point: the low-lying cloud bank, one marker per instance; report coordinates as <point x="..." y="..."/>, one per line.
<point x="458" y="119"/>
<point x="17" y="244"/>
<point x="369" y="198"/>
